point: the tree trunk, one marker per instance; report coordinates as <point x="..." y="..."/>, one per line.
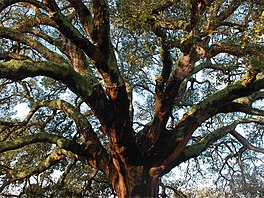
<point x="136" y="182"/>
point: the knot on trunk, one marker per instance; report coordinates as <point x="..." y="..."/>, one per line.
<point x="154" y="172"/>
<point x="112" y="91"/>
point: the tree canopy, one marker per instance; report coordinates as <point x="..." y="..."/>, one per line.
<point x="118" y="93"/>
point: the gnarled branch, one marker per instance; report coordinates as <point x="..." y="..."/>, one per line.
<point x="245" y="143"/>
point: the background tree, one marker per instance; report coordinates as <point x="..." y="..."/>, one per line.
<point x="121" y="92"/>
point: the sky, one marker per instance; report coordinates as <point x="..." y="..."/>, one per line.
<point x="22" y="110"/>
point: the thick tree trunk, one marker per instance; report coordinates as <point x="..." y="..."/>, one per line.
<point x="135" y="183"/>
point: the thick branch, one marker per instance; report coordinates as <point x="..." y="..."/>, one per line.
<point x="204" y="110"/>
<point x="235" y="50"/>
<point x="208" y="64"/>
<point x="52" y="159"/>
<point x="164" y="97"/>
<point x="167" y="82"/>
<point x="166" y="59"/>
<point x="76" y="56"/>
<point x="101" y="37"/>
<point x="24" y="69"/>
<point x="82" y="124"/>
<point x="10" y="56"/>
<point x="101" y="22"/>
<point x="101" y="53"/>
<point x="196" y="149"/>
<point x="228" y="11"/>
<point x="85" y="16"/>
<point x="36" y="45"/>
<point x="72" y="33"/>
<point x="39" y="137"/>
<point x="245" y="108"/>
<point x="62" y="72"/>
<point x="194" y="12"/>
<point x="17" y="70"/>
<point x="5" y="3"/>
<point x="244" y="105"/>
<point x="97" y="158"/>
<point x="88" y="88"/>
<point x="213" y="104"/>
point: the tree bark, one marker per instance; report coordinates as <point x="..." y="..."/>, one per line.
<point x="135" y="182"/>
